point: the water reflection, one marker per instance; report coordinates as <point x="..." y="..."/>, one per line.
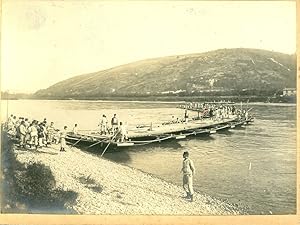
<point x="121" y="157"/>
<point x="225" y="132"/>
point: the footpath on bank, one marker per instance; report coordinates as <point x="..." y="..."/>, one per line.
<point x="101" y="186"/>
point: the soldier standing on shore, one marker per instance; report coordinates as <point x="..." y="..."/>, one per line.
<point x="33" y="134"/>
<point x="50" y="133"/>
<point x="188" y="171"/>
<point x="62" y="138"/>
<point x="23" y="132"/>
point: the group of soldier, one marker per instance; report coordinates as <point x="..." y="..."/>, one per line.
<point x="117" y="129"/>
<point x="32" y="134"/>
<point x="37" y="134"/>
<point x="220" y="112"/>
<point x="213" y="112"/>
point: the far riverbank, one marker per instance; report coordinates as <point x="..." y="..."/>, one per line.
<point x="162" y="98"/>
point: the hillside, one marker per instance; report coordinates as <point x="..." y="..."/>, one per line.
<point x="221" y="71"/>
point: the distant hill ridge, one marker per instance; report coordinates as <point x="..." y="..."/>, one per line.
<point x="214" y="71"/>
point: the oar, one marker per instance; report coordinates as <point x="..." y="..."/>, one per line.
<point x="96" y="143"/>
<point x="76" y="142"/>
<point x="109" y="144"/>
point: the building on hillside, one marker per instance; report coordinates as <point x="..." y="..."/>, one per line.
<point x="289" y="92"/>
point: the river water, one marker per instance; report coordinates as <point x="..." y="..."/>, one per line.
<point x="222" y="160"/>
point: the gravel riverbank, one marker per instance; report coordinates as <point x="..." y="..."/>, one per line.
<point x="105" y="187"/>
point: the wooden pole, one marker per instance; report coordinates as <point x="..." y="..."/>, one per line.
<point x="96" y="143"/>
<point x="105" y="149"/>
<point x="109" y="144"/>
<point x="249" y="109"/>
<point x="76" y="142"/>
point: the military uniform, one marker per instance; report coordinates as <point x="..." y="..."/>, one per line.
<point x="33" y="135"/>
<point x="103" y="125"/>
<point x="188" y="171"/>
<point x="123" y="132"/>
<point x="75" y="130"/>
<point x="23" y="132"/>
<point x="114" y="124"/>
<point x="50" y="134"/>
<point x="62" y="137"/>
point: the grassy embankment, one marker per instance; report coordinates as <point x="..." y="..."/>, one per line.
<point x="30" y="187"/>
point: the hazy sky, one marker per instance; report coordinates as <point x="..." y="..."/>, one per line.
<point x="44" y="42"/>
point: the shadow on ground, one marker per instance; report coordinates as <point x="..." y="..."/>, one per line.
<point x="30" y="188"/>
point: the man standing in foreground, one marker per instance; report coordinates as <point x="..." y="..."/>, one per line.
<point x="188" y="171"/>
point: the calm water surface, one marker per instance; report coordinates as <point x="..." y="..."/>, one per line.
<point x="221" y="160"/>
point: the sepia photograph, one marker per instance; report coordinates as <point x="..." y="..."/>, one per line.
<point x="148" y="108"/>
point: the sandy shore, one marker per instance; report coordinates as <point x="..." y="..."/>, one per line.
<point x="105" y="187"/>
